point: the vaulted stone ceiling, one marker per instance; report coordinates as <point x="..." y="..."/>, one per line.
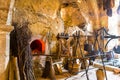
<point x="56" y="14"/>
<point x="77" y="12"/>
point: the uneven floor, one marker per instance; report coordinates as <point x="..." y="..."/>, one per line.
<point x="91" y="74"/>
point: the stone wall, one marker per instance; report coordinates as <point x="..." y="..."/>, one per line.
<point x="43" y="15"/>
<point x="4" y="40"/>
<point x="4" y="51"/>
<point x="4" y="6"/>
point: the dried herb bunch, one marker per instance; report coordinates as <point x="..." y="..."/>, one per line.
<point x="20" y="38"/>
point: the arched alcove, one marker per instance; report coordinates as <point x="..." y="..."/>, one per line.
<point x="38" y="45"/>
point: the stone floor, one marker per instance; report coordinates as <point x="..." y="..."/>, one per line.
<point x="80" y="76"/>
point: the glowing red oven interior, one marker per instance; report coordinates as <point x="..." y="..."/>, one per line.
<point x="38" y="46"/>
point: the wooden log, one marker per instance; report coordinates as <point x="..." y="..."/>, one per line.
<point x="107" y="67"/>
<point x="100" y="74"/>
<point x="17" y="75"/>
<point x="13" y="70"/>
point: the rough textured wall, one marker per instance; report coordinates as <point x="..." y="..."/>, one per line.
<point x="4" y="40"/>
<point x="4" y="6"/>
<point x="72" y="16"/>
<point x="79" y="12"/>
<point x="93" y="11"/>
<point x="43" y="15"/>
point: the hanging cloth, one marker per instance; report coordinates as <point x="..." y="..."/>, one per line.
<point x="118" y="9"/>
<point x="109" y="12"/>
<point x="112" y="3"/>
<point x="107" y="4"/>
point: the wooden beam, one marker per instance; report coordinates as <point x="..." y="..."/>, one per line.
<point x="107" y="67"/>
<point x="9" y="18"/>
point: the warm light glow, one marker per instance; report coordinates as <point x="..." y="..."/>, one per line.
<point x="63" y="13"/>
<point x="79" y="1"/>
<point x="89" y="27"/>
